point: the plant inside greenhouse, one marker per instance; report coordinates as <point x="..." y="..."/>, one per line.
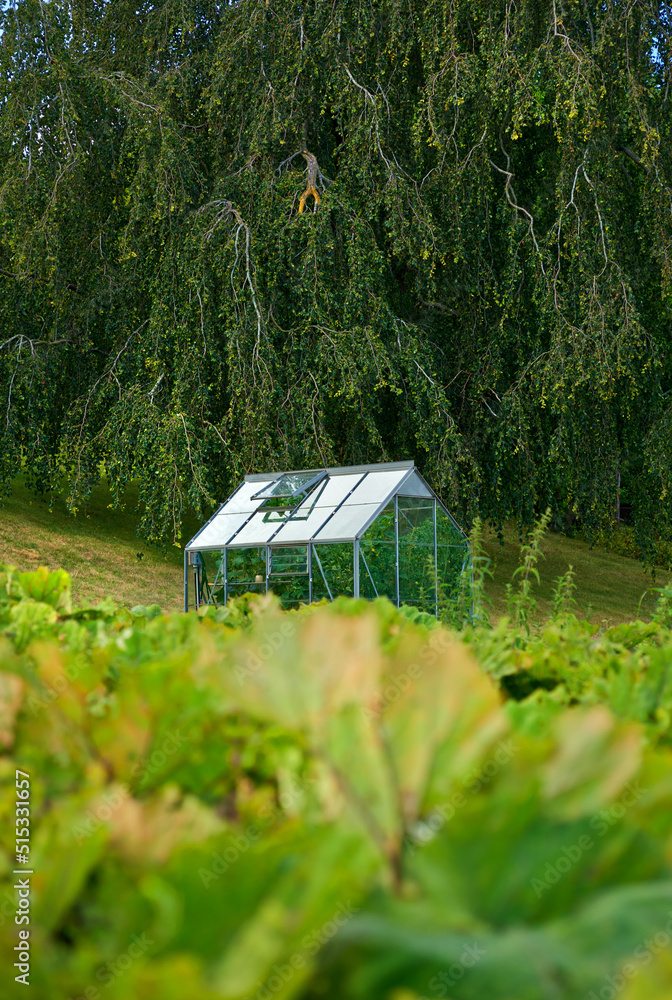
<point x="359" y="531"/>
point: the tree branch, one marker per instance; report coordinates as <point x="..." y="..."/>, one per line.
<point x="634" y="158"/>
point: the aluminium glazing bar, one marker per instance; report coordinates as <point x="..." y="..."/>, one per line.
<point x="220" y="570"/>
<point x="396" y="545"/>
<point x="366" y="565"/>
<point x="335" y="470"/>
<point x="186" y="581"/>
<point x="331" y="596"/>
<point x="436" y="566"/>
<point x="338" y="507"/>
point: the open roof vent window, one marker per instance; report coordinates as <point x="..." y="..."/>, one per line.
<point x="289" y="489"/>
<point x="287" y="492"/>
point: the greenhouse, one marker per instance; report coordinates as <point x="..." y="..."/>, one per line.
<point x="363" y="531"/>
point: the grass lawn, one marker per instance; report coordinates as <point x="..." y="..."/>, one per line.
<point x="609" y="588"/>
<point x="105" y="557"/>
<point x="99" y="548"/>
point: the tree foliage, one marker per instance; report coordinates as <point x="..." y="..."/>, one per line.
<point x="236" y="236"/>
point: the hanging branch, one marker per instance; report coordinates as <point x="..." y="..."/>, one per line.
<point x="511" y="198"/>
<point x="314" y="176"/>
<point x="226" y="209"/>
<point x="368" y="96"/>
<point x="108" y="373"/>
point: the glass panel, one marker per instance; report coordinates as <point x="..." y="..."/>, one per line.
<point x="210" y="577"/>
<point x="246" y="568"/>
<point x="347" y="522"/>
<point x="299" y="505"/>
<point x="414" y="512"/>
<point x="289" y="561"/>
<point x="233" y="515"/>
<point x="333" y="570"/>
<point x="376" y="487"/>
<point x="414" y="487"/>
<point x="292" y="590"/>
<point x="446" y="531"/>
<point x="311" y="514"/>
<point x="220" y="530"/>
<point x="450" y="559"/>
<point x="259" y="528"/>
<point x="377" y="557"/>
<point x="308" y="517"/>
<point x="335" y="490"/>
<point x="452" y="551"/>
<point x="290" y="485"/>
<point x="242" y="499"/>
<point x="417" y="570"/>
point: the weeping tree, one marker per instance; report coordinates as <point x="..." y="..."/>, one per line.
<point x="264" y="234"/>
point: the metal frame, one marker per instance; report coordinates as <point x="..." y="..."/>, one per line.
<point x="277" y="548"/>
<point x="321" y="568"/>
<point x="396" y="546"/>
<point x="186" y="580"/>
<point x="310" y="572"/>
<point x="337" y="470"/>
<point x="366" y="565"/>
<point x="436" y="566"/>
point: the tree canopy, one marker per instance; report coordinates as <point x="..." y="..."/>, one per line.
<point x="275" y="234"/>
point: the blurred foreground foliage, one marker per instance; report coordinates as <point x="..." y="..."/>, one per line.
<point x="339" y="801"/>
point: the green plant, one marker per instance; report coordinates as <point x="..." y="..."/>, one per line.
<point x="520" y="600"/>
<point x="333" y="802"/>
<point x="563" y="601"/>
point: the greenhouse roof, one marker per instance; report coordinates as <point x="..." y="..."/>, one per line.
<point x="308" y="505"/>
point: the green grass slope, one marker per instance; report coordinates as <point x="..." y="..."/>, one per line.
<point x="99" y="548"/>
<point x="609" y="588"/>
<point x="104" y="556"/>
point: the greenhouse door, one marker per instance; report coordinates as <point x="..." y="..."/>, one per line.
<point x="288" y="575"/>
